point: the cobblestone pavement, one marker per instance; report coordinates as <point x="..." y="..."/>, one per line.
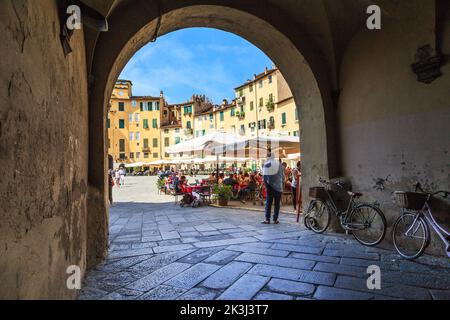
<point x="161" y="251"/>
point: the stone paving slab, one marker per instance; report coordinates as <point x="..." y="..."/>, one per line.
<point x="245" y="288"/>
<point x="161" y="251"/>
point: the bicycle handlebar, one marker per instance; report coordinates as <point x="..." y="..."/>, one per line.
<point x="418" y="187"/>
<point x="337" y="183"/>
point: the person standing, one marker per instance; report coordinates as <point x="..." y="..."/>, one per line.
<point x="122" y="176"/>
<point x="295" y="184"/>
<point x="273" y="176"/>
<point x="117" y="177"/>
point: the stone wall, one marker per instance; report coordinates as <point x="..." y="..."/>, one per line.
<point x="394" y="130"/>
<point x="43" y="152"/>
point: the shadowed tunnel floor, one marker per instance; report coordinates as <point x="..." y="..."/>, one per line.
<point x="161" y="251"/>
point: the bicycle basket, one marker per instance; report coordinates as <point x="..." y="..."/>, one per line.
<point x="410" y="200"/>
<point x="318" y="193"/>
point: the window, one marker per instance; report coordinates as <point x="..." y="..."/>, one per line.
<point x="251" y="88"/>
<point x="136" y="117"/>
<point x="242" y="131"/>
<point x="155" y="123"/>
<point x="188" y="125"/>
<point x="296" y="114"/>
<point x="145" y="155"/>
<point x="145" y="123"/>
<point x="242" y="109"/>
<point x="141" y="105"/>
<point x="222" y="117"/>
<point x="295" y="134"/>
<point x="122" y="145"/>
<point x="122" y="156"/>
<point x="150" y="106"/>
<point x="283" y="118"/>
<point x="166" y="155"/>
<point x="177" y="140"/>
<point x="261" y="102"/>
<point x="130" y="117"/>
<point x="272" y="121"/>
<point x="157" y="106"/>
<point x="131" y="155"/>
<point x="166" y="131"/>
<point x="177" y="130"/>
<point x="211" y="117"/>
<point x="155" y="155"/>
<point x="137" y="136"/>
<point x="108" y="123"/>
<point x="131" y="136"/>
<point x="252" y="105"/>
<point x="134" y="103"/>
<point x="203" y="132"/>
<point x="166" y="142"/>
<point x="138" y="155"/>
<point x="270" y="79"/>
<point x="121" y="124"/>
<point x="121" y="106"/>
<point x="145" y="143"/>
<point x="271" y="97"/>
<point x="155" y="143"/>
<point x="241" y="92"/>
<point x="233" y="112"/>
<point x="187" y="110"/>
<point x="260" y="83"/>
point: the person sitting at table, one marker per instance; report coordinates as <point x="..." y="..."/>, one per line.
<point x="230" y="181"/>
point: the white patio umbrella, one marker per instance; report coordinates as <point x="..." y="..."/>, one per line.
<point x="204" y="143"/>
<point x="257" y="147"/>
<point x="135" y="165"/>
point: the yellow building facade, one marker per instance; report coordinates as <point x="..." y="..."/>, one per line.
<point x="141" y="128"/>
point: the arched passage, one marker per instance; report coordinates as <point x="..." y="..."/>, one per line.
<point x="295" y="56"/>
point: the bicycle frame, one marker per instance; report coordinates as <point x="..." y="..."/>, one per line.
<point x="343" y="215"/>
<point x="427" y="214"/>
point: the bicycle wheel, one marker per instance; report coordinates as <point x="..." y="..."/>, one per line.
<point x="317" y="217"/>
<point x="410" y="236"/>
<point x="368" y="224"/>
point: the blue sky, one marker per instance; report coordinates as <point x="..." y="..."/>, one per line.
<point x="194" y="61"/>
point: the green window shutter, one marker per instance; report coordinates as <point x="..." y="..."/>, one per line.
<point x="203" y="132"/>
<point x="108" y="123"/>
<point x="121" y="124"/>
<point x="122" y="145"/>
<point x="121" y="106"/>
<point x="141" y="104"/>
<point x="155" y="143"/>
<point x="145" y="123"/>
<point x="211" y="116"/>
<point x="146" y="143"/>
<point x="155" y="123"/>
<point x="283" y="118"/>
<point x="222" y="118"/>
<point x="188" y="125"/>
<point x="157" y="106"/>
<point x="150" y="106"/>
<point x="177" y="140"/>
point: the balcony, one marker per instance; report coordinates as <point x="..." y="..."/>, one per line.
<point x="240" y="115"/>
<point x="270" y="105"/>
<point x="146" y="149"/>
<point x="188" y="131"/>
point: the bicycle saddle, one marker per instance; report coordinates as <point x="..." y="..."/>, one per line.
<point x="355" y="194"/>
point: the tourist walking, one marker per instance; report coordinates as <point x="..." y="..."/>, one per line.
<point x="273" y="176"/>
<point x="117" y="177"/>
<point x="122" y="173"/>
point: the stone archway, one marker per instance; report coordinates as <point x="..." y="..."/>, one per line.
<point x="301" y="63"/>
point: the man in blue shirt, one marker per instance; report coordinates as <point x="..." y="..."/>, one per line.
<point x="273" y="175"/>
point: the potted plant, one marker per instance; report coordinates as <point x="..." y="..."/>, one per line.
<point x="223" y="194"/>
<point x="161" y="184"/>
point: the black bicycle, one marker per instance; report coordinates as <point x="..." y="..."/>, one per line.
<point x="364" y="220"/>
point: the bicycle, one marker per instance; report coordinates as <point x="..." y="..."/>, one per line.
<point x="366" y="221"/>
<point x="411" y="234"/>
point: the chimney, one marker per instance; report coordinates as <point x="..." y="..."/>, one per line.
<point x="267" y="69"/>
<point x="225" y="102"/>
<point x="161" y="94"/>
<point x="254" y="76"/>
